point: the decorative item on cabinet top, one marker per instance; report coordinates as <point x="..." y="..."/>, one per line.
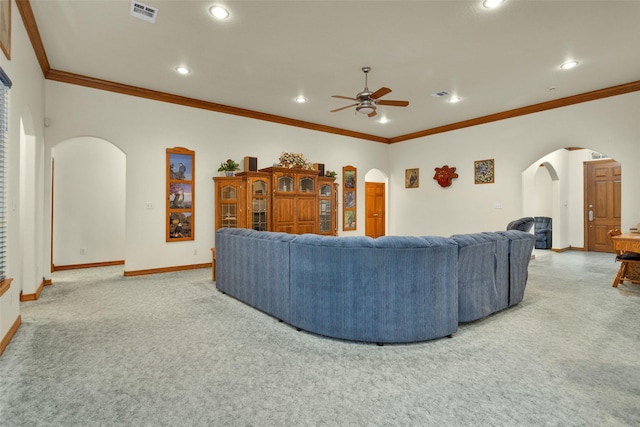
<point x="228" y="167"/>
<point x="293" y="160"/>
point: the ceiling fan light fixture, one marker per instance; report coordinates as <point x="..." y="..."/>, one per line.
<point x="365" y="109"/>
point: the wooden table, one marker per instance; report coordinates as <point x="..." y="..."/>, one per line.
<point x="629" y="242"/>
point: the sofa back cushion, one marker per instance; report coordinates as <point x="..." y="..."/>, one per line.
<point x="483" y="275"/>
<point x="393" y="288"/>
<point x="253" y="266"/>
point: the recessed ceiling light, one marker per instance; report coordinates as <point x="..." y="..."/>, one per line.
<point x="300" y="99"/>
<point x="183" y="70"/>
<point x="569" y="65"/>
<point x="490" y="4"/>
<point x="454" y="99"/>
<point x="219" y="12"/>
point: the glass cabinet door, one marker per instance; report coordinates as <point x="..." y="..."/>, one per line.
<point x="307" y="185"/>
<point x="229" y="207"/>
<point x="259" y="217"/>
<point x="325" y="216"/>
<point x="285" y="184"/>
<point x="325" y="190"/>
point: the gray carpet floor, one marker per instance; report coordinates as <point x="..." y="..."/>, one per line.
<point x="99" y="349"/>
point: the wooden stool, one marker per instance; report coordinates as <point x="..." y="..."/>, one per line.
<point x="213" y="264"/>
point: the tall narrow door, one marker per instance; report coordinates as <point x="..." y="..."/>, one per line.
<point x="603" y="202"/>
<point x="374" y="209"/>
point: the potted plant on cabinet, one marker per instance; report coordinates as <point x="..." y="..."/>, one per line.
<point x="228" y="167"/>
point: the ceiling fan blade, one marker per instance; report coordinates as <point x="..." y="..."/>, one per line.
<point x="393" y="103"/>
<point x="380" y="92"/>
<point x="344" y="97"/>
<point x="343" y="108"/>
<point x="373" y="113"/>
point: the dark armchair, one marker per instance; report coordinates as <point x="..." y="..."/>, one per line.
<point x="542" y="230"/>
<point x="522" y="224"/>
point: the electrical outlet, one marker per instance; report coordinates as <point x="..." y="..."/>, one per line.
<point x="82" y="251"/>
<point x="195" y="252"/>
<point x="497" y="206"/>
<point x="150" y="205"/>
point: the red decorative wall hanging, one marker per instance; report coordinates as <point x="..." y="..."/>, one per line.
<point x="444" y="175"/>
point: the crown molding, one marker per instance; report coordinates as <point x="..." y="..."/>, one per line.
<point x="80" y="80"/>
<point x="26" y="13"/>
<point x="530" y="109"/>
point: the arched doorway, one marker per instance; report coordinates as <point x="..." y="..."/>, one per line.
<point x="557" y="182"/>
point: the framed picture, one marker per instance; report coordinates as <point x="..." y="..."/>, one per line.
<point x="180" y="194"/>
<point x="180" y="226"/>
<point x="484" y="171"/>
<point x="5" y="27"/>
<point x="349" y="177"/>
<point x="181" y="166"/>
<point x="349" y="220"/>
<point x="412" y="178"/>
<point x="349" y="198"/>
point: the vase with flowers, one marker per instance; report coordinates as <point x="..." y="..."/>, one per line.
<point x="228" y="167"/>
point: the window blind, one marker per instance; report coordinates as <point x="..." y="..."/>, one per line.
<point x="4" y="101"/>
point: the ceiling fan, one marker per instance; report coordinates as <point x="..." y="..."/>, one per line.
<point x="367" y="100"/>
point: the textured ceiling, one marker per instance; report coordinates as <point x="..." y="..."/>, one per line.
<point x="269" y="52"/>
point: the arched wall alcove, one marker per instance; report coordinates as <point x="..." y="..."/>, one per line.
<point x="89" y="196"/>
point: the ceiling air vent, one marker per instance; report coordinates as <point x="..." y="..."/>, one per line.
<point x="440" y="94"/>
<point x="142" y="11"/>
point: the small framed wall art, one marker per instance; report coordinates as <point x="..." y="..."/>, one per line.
<point x="484" y="171"/>
<point x="349" y="198"/>
<point x="180" y="194"/>
<point x="412" y="178"/>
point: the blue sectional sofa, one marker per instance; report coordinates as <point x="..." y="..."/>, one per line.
<point x="392" y="289"/>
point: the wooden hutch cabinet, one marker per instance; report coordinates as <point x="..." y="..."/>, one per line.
<point x="243" y="200"/>
<point x="328" y="206"/>
<point x="293" y="200"/>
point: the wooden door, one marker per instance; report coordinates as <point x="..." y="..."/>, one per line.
<point x="374" y="209"/>
<point x="603" y="202"/>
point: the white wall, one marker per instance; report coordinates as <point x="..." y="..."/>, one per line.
<point x="543" y="191"/>
<point x="89" y="202"/>
<point x="26" y="262"/>
<point x="143" y="129"/>
<point x="608" y="125"/>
